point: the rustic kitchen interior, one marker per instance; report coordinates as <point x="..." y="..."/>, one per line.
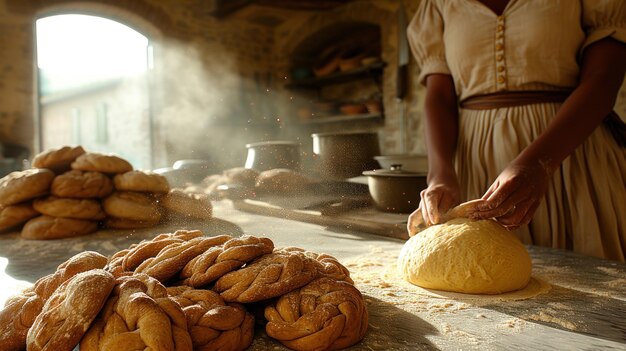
<point x="324" y="88"/>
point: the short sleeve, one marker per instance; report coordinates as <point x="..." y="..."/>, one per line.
<point x="603" y="19"/>
<point x="425" y="35"/>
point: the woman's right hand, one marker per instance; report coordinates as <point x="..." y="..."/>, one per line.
<point x="443" y="193"/>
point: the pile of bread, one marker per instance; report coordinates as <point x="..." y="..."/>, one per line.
<point x="276" y="180"/>
<point x="71" y="192"/>
<point x="188" y="291"/>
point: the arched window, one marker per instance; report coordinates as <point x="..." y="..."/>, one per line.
<point x="93" y="87"/>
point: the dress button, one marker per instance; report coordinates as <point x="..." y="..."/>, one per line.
<point x="500" y="28"/>
<point x="500" y="57"/>
<point x="500" y="68"/>
<point x="500" y="79"/>
<point x="499" y="47"/>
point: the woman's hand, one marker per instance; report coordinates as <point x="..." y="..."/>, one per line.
<point x="441" y="194"/>
<point x="515" y="195"/>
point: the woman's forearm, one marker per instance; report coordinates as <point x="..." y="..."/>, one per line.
<point x="441" y="126"/>
<point x="604" y="65"/>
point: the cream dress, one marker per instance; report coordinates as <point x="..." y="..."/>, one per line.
<point x="533" y="45"/>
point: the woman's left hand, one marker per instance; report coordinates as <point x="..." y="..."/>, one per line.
<point x="515" y="195"/>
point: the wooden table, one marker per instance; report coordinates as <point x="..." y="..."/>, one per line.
<point x="585" y="308"/>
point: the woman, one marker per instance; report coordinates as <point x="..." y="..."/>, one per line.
<point x="536" y="80"/>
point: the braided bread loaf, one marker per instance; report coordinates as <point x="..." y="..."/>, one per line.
<point x="329" y="265"/>
<point x="67" y="314"/>
<point x="20" y="311"/>
<point x="139" y="315"/>
<point x="219" y="260"/>
<point x="213" y="324"/>
<point x="172" y="258"/>
<point x="268" y="276"/>
<point x="326" y="314"/>
<point x="128" y="259"/>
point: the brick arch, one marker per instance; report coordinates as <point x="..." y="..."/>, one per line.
<point x="139" y="15"/>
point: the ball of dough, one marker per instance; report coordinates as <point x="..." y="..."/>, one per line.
<point x="466" y="256"/>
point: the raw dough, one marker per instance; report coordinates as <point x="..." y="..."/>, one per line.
<point x="462" y="255"/>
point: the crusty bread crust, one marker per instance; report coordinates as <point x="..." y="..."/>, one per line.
<point x="25" y="185"/>
<point x="70" y="208"/>
<point x="79" y="184"/>
<point x="142" y="181"/>
<point x="15" y="215"/>
<point x="105" y="163"/>
<point x="47" y="227"/>
<point x="58" y="160"/>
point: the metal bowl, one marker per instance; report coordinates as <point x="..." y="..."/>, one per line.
<point x="409" y="162"/>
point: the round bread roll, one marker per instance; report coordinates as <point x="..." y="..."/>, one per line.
<point x="142" y="181"/>
<point x="14" y="215"/>
<point x="189" y="205"/>
<point x="70" y="208"/>
<point x="466" y="256"/>
<point x="46" y="227"/>
<point x="58" y="160"/>
<point x="93" y="161"/>
<point x="123" y="223"/>
<point x="282" y="180"/>
<point x="25" y="185"/>
<point x="79" y="184"/>
<point x="132" y="205"/>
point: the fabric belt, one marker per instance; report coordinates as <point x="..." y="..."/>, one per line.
<point x="612" y="122"/>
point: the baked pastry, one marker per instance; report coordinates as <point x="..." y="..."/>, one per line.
<point x="142" y="181"/>
<point x="97" y="162"/>
<point x="241" y="176"/>
<point x="123" y="223"/>
<point x="132" y="205"/>
<point x="70" y="208"/>
<point x="268" y="276"/>
<point x="213" y="324"/>
<point x="79" y="184"/>
<point x="173" y="257"/>
<point x="282" y="180"/>
<point x="67" y="314"/>
<point x="189" y="205"/>
<point x="46" y="227"/>
<point x="14" y="215"/>
<point x="20" y="311"/>
<point x="58" y="160"/>
<point x="326" y="314"/>
<point x="81" y="262"/>
<point x="128" y="259"/>
<point x="139" y="315"/>
<point x="25" y="185"/>
<point x="329" y="265"/>
<point x="16" y="318"/>
<point x="219" y="260"/>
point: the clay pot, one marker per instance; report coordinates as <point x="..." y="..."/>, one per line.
<point x="345" y="155"/>
<point x="267" y="155"/>
<point x="352" y="109"/>
<point x="395" y="190"/>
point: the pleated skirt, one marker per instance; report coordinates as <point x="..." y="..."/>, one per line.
<point x="584" y="209"/>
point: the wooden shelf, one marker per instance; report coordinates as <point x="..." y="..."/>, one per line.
<point x="359" y="73"/>
<point x="344" y="118"/>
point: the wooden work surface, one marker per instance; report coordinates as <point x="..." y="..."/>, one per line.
<point x="584" y="309"/>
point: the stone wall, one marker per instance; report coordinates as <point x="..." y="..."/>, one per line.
<point x="217" y="83"/>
